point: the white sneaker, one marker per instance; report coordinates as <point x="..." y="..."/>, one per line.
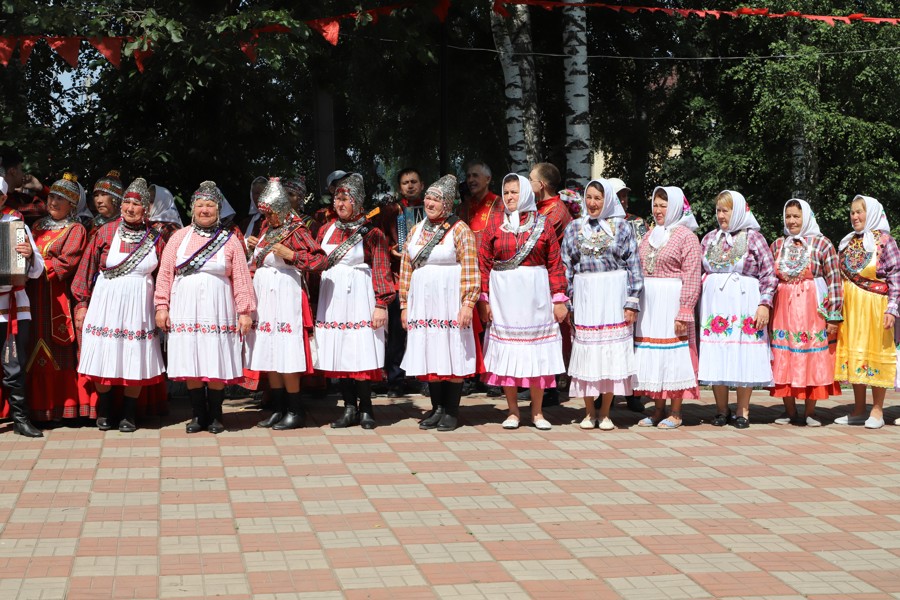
<point x="813" y="422"/>
<point x="873" y="423"/>
<point x="543" y="424"/>
<point x="511" y="422"/>
<point x="850" y="420"/>
<point x="784" y="419"/>
<point x="606" y="425"/>
<point x="588" y="423"/>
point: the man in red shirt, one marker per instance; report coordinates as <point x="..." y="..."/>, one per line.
<point x="411" y="196"/>
<point x="545" y="180"/>
<point x="481" y="206"/>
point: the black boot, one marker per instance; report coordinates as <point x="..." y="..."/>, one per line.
<point x="214" y="400"/>
<point x="198" y="410"/>
<point x="351" y="414"/>
<point x="104" y="402"/>
<point x="129" y="408"/>
<point x="366" y="413"/>
<point x="432" y="417"/>
<point x="296" y="415"/>
<point x="452" y="396"/>
<point x="21" y="423"/>
<point x="277" y="403"/>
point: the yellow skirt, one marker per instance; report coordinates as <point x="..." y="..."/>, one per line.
<point x="865" y="349"/>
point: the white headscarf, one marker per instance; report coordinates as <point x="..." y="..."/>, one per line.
<point x="741" y="217"/>
<point x="678" y="214"/>
<point x="162" y="209"/>
<point x="226" y="211"/>
<point x="612" y="207"/>
<point x="809" y="228"/>
<point x="4" y="187"/>
<point x="82" y="211"/>
<point x="876" y="220"/>
<point x="526" y="201"/>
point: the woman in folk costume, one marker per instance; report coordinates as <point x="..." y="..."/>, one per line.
<point x="114" y="293"/>
<point x="665" y="340"/>
<point x="204" y="299"/>
<point x="523" y="285"/>
<point x="807" y="313"/>
<point x="734" y="308"/>
<point x="52" y="360"/>
<point x="15" y="321"/>
<point x="107" y="195"/>
<point x="603" y="272"/>
<point x="354" y="293"/>
<point x="163" y="212"/>
<point x="870" y="268"/>
<point x="439" y="285"/>
<point x="296" y="191"/>
<point x="278" y="343"/>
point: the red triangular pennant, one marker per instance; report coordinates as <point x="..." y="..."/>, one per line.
<point x="249" y="48"/>
<point x="109" y="47"/>
<point x="329" y="28"/>
<point x="26" y="47"/>
<point x="500" y="9"/>
<point x="141" y="56"/>
<point x="66" y="47"/>
<point x="441" y="9"/>
<point x="7" y="45"/>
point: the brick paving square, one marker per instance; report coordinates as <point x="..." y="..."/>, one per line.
<point x="781" y="513"/>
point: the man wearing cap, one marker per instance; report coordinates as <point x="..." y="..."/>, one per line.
<point x="15" y="320"/>
<point x="637" y="223"/>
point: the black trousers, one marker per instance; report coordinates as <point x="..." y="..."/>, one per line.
<point x="395" y="345"/>
<point x="13" y="356"/>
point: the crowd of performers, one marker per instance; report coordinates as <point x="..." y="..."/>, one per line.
<point x="509" y="289"/>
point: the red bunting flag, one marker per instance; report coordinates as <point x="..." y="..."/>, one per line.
<point x="141" y="56"/>
<point x="7" y="45"/>
<point x="66" y="47"/>
<point x="25" y="48"/>
<point x="441" y="9"/>
<point x="329" y="28"/>
<point x="248" y="47"/>
<point x="110" y="47"/>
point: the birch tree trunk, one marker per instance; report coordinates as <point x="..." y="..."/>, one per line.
<point x="515" y="119"/>
<point x="512" y="38"/>
<point x="578" y="115"/>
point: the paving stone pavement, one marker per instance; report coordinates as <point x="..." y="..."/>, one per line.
<point x="774" y="512"/>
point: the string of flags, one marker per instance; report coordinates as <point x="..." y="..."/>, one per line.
<point x="110" y="47"/>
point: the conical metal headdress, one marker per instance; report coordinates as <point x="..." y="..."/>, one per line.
<point x="140" y="191"/>
<point x="274" y="199"/>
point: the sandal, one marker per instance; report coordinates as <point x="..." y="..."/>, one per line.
<point x="668" y="423"/>
<point x="511" y="422"/>
<point x="648" y="422"/>
<point x="722" y="420"/>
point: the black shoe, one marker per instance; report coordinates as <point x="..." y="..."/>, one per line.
<point x="277" y="403"/>
<point x="721" y="420"/>
<point x="348" y="419"/>
<point x="214" y="401"/>
<point x="494" y="391"/>
<point x="395" y="392"/>
<point x="469" y="387"/>
<point x="448" y="423"/>
<point x="635" y="404"/>
<point x="103" y="424"/>
<point x="198" y="411"/>
<point x="27" y="429"/>
<point x="425" y="390"/>
<point x="126" y="426"/>
<point x="432" y="418"/>
<point x="551" y="397"/>
<point x="295" y="417"/>
<point x="741" y="423"/>
<point x="366" y="420"/>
